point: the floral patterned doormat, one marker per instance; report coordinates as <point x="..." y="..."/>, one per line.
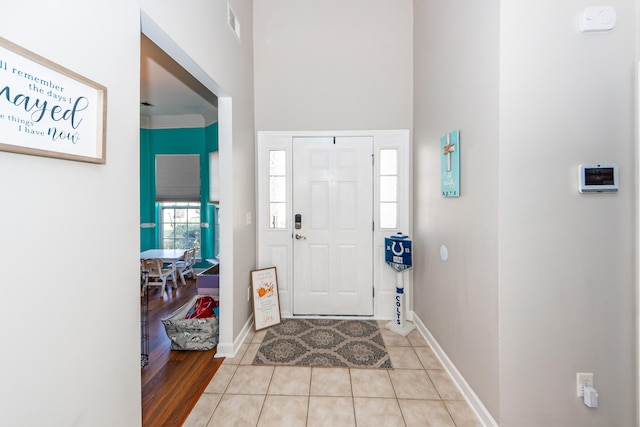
<point x="324" y="342"/>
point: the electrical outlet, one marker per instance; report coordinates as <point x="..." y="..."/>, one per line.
<point x="583" y="379"/>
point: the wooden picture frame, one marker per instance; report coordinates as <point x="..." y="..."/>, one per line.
<point x="48" y="110"/>
<point x="265" y="298"/>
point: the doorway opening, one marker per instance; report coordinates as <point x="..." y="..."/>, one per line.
<point x="159" y="37"/>
<point x="194" y="78"/>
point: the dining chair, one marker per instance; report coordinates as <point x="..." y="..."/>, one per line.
<point x="157" y="274"/>
<point x="186" y="263"/>
<point x="144" y="277"/>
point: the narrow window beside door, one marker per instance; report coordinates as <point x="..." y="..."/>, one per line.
<point x="388" y="188"/>
<point x="277" y="189"/>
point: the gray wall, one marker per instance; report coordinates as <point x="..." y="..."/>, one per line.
<point x="70" y="234"/>
<point x="540" y="283"/>
<point x="333" y="64"/>
<point x="457" y="87"/>
<point x="69" y="251"/>
<point x="567" y="264"/>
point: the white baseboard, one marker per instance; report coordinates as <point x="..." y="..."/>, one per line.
<point x="231" y="349"/>
<point x="474" y="402"/>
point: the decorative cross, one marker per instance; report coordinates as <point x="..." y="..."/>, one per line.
<point x="448" y="149"/>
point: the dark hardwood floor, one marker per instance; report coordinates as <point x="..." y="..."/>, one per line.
<point x="172" y="381"/>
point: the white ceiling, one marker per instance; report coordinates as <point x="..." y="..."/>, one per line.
<point x="169" y="88"/>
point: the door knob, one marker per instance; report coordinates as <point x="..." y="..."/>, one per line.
<point x="300" y="236"/>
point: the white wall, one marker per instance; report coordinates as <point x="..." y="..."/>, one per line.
<point x="201" y="31"/>
<point x="333" y="64"/>
<point x="456" y="87"/>
<point x="70" y="235"/>
<point x="540" y="280"/>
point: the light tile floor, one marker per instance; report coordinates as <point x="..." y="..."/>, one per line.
<point x="416" y="392"/>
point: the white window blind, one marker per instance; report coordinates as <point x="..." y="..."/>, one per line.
<point x="178" y="177"/>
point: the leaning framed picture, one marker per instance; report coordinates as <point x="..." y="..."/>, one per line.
<point x="265" y="297"/>
<point x="48" y="110"/>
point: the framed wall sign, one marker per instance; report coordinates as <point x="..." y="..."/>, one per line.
<point x="48" y="110"/>
<point x="266" y="300"/>
<point x="450" y="164"/>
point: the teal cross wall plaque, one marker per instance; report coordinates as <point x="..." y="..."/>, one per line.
<point x="450" y="164"/>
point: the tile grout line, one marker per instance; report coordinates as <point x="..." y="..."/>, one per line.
<point x="353" y="400"/>
<point x="222" y="394"/>
<point x="266" y="393"/>
<point x="306" y="420"/>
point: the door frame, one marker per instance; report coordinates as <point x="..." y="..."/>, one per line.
<point x="155" y="33"/>
<point x="275" y="246"/>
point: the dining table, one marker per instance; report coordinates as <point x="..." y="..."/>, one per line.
<point x="169" y="256"/>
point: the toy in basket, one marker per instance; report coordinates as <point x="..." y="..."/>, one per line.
<point x="194" y="326"/>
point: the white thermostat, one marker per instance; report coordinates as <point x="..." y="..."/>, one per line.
<point x="597" y="178"/>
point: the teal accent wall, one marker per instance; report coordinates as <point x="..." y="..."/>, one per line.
<point x="211" y="138"/>
<point x="199" y="141"/>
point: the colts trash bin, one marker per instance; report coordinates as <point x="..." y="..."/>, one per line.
<point x="399" y="257"/>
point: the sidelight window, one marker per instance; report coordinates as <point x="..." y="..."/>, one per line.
<point x="277" y="189"/>
<point x="388" y="188"/>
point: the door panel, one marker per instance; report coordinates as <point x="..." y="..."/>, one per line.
<point x="333" y="254"/>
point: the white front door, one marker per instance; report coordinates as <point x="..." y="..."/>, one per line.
<point x="333" y="220"/>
